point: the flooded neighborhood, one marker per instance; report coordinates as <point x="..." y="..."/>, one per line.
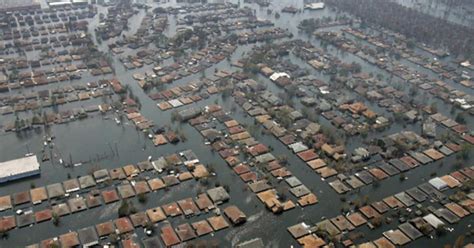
<point x="236" y="123"/>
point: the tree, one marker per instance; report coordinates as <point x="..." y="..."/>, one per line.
<point x="149" y="226"/>
<point x="402" y="177"/>
<point x="465" y="151"/>
<point x="434" y="107"/>
<point x="377" y="221"/>
<point x="113" y="238"/>
<point x="411" y="43"/>
<point x="459" y="241"/>
<point x="142" y="198"/>
<point x="55" y="218"/>
<point x="425" y="228"/>
<point x="460" y="118"/>
<point x="4" y="234"/>
<point x="441" y="230"/>
<point x="124" y="209"/>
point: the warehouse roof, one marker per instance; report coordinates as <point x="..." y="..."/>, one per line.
<point x="17" y="167"/>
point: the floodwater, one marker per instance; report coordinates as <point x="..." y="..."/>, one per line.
<point x="97" y="139"/>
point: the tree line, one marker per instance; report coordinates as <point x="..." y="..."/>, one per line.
<point x="458" y="39"/>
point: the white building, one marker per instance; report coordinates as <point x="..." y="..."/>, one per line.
<point x="19" y="168"/>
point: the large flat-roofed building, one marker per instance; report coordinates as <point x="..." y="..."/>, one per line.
<point x="14" y="5"/>
<point x="19" y="168"/>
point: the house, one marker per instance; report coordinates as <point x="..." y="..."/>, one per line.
<point x="360" y="154"/>
<point x="236" y="216"/>
<point x="267" y="71"/>
<point x="411" y="115"/>
<point x="275" y="76"/>
<point x="189" y="113"/>
<point x="438" y="183"/>
<point x="429" y="128"/>
<point x="218" y="195"/>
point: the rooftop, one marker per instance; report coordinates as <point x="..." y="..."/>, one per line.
<point x="19" y="168"/>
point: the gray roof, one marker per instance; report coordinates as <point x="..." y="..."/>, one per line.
<point x="405" y="199"/>
<point x="55" y="190"/>
<point x="189" y="113"/>
<point x="265" y="158"/>
<point x="86" y="181"/>
<point x="259" y="186"/>
<point x="101" y="175"/>
<point x="218" y="195"/>
<point x="293" y="181"/>
<point x="88" y="236"/>
<point x="298" y="147"/>
<point x="300" y="190"/>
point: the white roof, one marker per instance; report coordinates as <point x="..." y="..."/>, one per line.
<point x="19" y="166"/>
<point x="433" y="220"/>
<point x="315" y="6"/>
<point x="466" y="63"/>
<point x="277" y="75"/>
<point x="62" y="3"/>
<point x="175" y="103"/>
<point x="298" y="147"/>
<point x="438" y="183"/>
